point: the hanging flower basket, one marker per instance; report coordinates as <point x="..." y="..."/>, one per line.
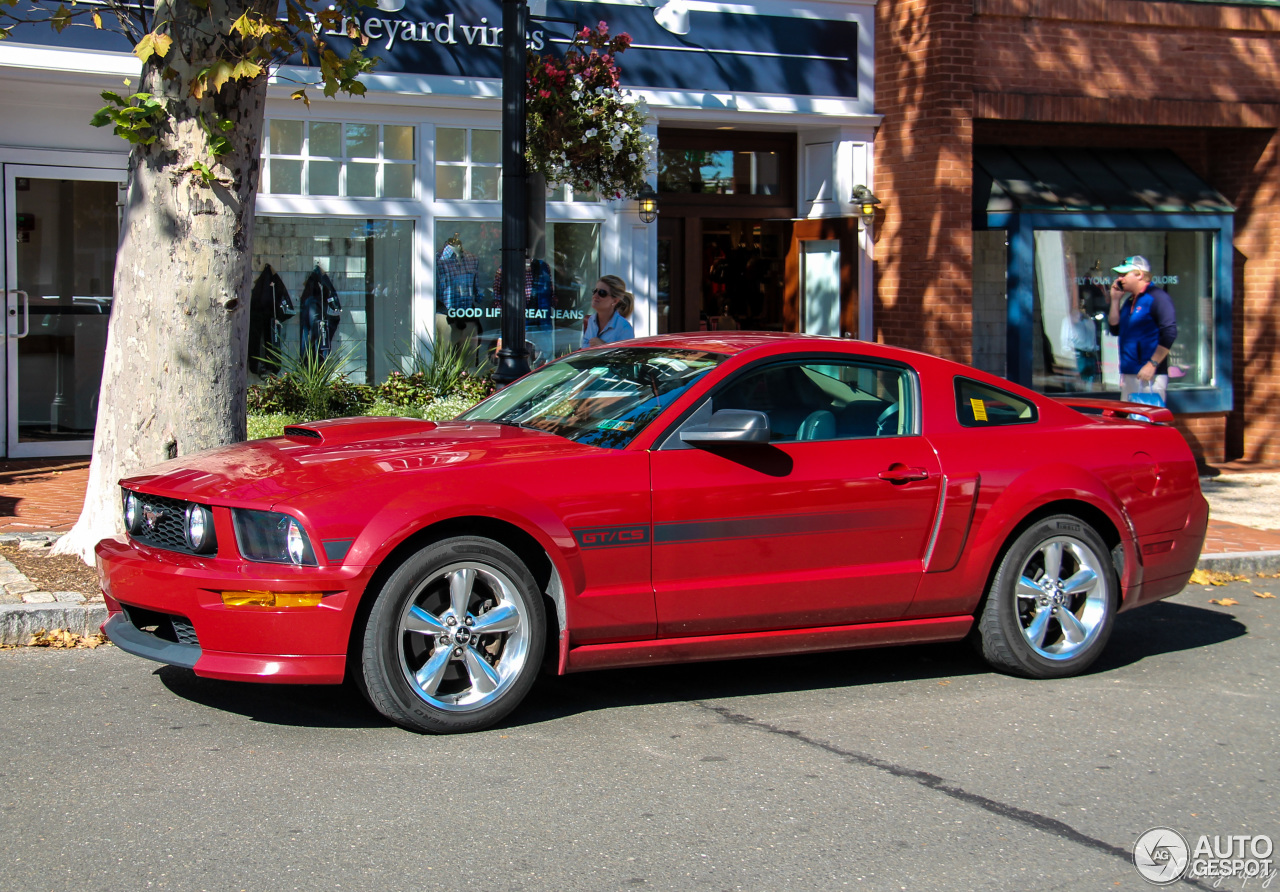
<point x="583" y="129"/>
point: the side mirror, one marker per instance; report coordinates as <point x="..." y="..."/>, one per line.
<point x="729" y="426"/>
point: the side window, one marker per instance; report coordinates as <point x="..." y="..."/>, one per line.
<point x="826" y="400"/>
<point x="980" y="405"/>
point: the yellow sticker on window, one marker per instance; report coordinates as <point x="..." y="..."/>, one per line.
<point x="979" y="409"/>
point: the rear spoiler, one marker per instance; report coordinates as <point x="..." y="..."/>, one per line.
<point x="1116" y="409"/>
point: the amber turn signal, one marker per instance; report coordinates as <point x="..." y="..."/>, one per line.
<point x="271" y="599"/>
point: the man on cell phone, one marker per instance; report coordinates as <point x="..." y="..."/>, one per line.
<point x="1147" y="326"/>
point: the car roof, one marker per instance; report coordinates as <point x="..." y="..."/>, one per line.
<point x="731" y="343"/>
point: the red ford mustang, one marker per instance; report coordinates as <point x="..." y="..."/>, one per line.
<point x="686" y="497"/>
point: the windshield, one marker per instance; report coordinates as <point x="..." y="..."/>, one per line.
<point x="603" y="398"/>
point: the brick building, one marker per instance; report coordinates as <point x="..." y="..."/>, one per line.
<point x="971" y="90"/>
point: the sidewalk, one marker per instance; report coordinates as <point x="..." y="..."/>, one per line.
<point x="42" y="497"/>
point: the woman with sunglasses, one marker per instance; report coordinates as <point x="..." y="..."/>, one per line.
<point x="611" y="304"/>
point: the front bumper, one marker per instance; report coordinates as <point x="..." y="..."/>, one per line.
<point x="168" y="607"/>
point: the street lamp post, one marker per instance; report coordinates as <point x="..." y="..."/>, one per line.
<point x="513" y="358"/>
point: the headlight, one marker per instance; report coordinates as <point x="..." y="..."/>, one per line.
<point x="272" y="537"/>
<point x="132" y="512"/>
<point x="199" y="529"/>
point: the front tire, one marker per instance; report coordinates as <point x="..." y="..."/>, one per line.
<point x="455" y="637"/>
<point x="1052" y="602"/>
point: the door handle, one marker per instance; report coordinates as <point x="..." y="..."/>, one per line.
<point x="26" y="316"/>
<point x="903" y="474"/>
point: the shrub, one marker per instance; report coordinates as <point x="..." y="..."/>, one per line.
<point x="310" y="387"/>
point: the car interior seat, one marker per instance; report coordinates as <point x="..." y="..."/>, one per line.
<point x="819" y="425"/>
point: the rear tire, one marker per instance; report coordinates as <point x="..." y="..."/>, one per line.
<point x="455" y="638"/>
<point x="1052" y="602"/>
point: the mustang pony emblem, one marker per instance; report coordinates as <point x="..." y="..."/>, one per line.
<point x="151" y="516"/>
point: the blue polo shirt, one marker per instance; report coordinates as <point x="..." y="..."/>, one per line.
<point x="618" y="329"/>
<point x="1146" y="322"/>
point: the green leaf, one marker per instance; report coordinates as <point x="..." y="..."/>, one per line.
<point x="207" y="175"/>
<point x="219" y="73"/>
<point x="60" y="19"/>
<point x="245" y="70"/>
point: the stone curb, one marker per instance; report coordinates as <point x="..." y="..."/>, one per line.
<point x="1242" y="563"/>
<point x="18" y="622"/>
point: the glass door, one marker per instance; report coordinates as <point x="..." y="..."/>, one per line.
<point x="61" y="227"/>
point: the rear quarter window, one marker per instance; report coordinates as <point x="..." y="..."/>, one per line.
<point x="981" y="405"/>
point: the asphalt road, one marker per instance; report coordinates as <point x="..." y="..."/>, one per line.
<point x="911" y="768"/>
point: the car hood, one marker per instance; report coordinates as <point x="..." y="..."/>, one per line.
<point x="261" y="473"/>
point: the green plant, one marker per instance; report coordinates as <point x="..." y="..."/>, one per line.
<point x="442" y="369"/>
<point x="310" y="386"/>
<point x="137" y="118"/>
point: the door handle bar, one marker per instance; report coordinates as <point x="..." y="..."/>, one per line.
<point x="26" y="313"/>
<point x="900" y="474"/>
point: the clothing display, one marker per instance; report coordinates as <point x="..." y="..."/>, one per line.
<point x="456" y="271"/>
<point x="539" y="288"/>
<point x="320" y="312"/>
<point x="269" y="305"/>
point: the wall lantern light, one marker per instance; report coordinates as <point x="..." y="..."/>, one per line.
<point x="867" y="203"/>
<point x="648" y="204"/>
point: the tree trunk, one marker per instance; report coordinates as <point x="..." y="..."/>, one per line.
<point x="173" y="381"/>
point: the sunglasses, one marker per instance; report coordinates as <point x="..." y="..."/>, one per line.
<point x="601" y="292"/>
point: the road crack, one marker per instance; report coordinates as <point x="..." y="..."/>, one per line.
<point x="1023" y="816"/>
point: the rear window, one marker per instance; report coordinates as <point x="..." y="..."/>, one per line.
<point x="981" y="405"/>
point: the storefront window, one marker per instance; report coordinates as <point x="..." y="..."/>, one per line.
<point x="468" y="164"/>
<point x="1073" y="274"/>
<point x="719" y="172"/>
<point x="335" y="285"/>
<point x="468" y="276"/>
<point x="330" y="158"/>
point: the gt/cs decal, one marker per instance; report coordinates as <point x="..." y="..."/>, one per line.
<point x="612" y="537"/>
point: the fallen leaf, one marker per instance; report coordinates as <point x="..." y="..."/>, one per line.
<point x="945" y="681"/>
<point x="1214" y="577"/>
<point x="1264" y="594"/>
<point x="66" y="638"/>
<point x="1224" y="602"/>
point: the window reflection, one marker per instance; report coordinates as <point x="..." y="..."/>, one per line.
<point x="1075" y="351"/>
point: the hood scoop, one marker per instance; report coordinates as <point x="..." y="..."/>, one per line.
<point x="337" y="431"/>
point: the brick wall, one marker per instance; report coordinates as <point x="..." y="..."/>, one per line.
<point x="1203" y="80"/>
<point x="924" y="164"/>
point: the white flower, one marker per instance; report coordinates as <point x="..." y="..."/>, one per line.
<point x="574" y="95"/>
<point x="631" y="157"/>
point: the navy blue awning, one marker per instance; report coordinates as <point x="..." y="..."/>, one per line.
<point x="1029" y="179"/>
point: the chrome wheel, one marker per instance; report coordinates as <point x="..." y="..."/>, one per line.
<point x="464" y="636"/>
<point x="1062" y="597"/>
<point x="1051" y="605"/>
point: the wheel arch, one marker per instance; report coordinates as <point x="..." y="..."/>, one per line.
<point x="530" y="552"/>
<point x="1091" y="514"/>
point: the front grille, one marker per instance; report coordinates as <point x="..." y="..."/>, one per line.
<point x="165" y="626"/>
<point x="169" y="527"/>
